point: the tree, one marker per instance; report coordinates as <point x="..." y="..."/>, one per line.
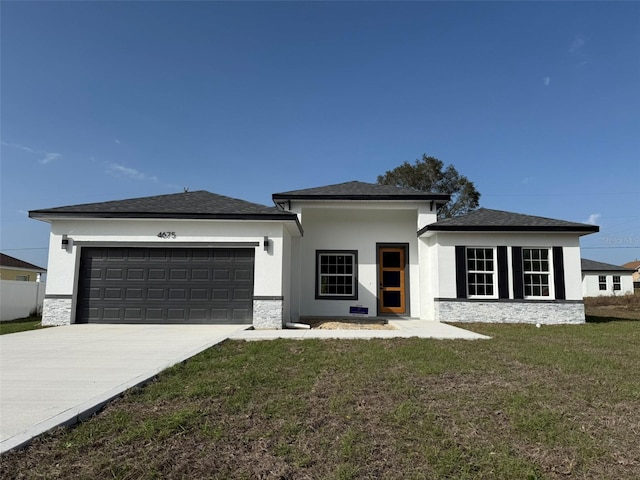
<point x="427" y="174"/>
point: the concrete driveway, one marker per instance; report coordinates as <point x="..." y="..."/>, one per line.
<point x="60" y="375"/>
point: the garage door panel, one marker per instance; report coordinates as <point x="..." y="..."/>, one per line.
<point x="242" y="294"/>
<point x="199" y="294"/>
<point x="148" y="285"/>
<point x="157" y="274"/>
<point x="135" y="274"/>
<point x="199" y="274"/>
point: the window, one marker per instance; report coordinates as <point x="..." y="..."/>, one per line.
<point x="616" y="282"/>
<point x="480" y="272"/>
<point x="22" y="278"/>
<point x="336" y="276"/>
<point x="602" y="282"/>
<point x="536" y="272"/>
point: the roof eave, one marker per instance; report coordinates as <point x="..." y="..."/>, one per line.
<point x="437" y="197"/>
<point x="510" y="228"/>
<point x="46" y="216"/>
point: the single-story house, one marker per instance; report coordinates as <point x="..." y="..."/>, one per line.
<point x="12" y="268"/>
<point x="377" y="250"/>
<point x="603" y="279"/>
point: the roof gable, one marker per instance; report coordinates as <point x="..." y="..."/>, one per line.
<point x="488" y="220"/>
<point x="7" y="261"/>
<point x="632" y="265"/>
<point x="591" y="265"/>
<point x="359" y="191"/>
<point x="198" y="204"/>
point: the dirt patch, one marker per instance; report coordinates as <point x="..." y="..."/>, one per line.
<point x="355" y="323"/>
<point x="624" y="307"/>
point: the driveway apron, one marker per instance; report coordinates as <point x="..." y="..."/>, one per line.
<point x="60" y="375"/>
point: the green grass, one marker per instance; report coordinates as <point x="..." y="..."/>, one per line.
<point x="531" y="403"/>
<point x="21" y="325"/>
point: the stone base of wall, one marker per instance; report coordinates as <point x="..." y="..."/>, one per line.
<point x="56" y="311"/>
<point x="511" y="311"/>
<point x="267" y="313"/>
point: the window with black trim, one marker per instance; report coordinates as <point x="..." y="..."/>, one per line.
<point x="537" y="271"/>
<point x="616" y="283"/>
<point x="480" y="272"/>
<point x="602" y="282"/>
<point x="336" y="274"/>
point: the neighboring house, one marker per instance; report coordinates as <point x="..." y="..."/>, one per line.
<point x="15" y="269"/>
<point x="198" y="257"/>
<point x="635" y="266"/>
<point x="21" y="291"/>
<point x="603" y="279"/>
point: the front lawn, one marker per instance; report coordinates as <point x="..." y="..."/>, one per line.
<point x="21" y="325"/>
<point x="531" y="403"/>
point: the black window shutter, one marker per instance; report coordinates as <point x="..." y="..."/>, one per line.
<point x="558" y="273"/>
<point x="518" y="279"/>
<point x="461" y="272"/>
<point x="503" y="273"/>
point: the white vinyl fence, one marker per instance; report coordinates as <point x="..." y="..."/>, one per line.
<point x="19" y="299"/>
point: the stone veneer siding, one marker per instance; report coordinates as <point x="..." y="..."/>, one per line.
<point x="267" y="313"/>
<point x="56" y="311"/>
<point x="543" y="312"/>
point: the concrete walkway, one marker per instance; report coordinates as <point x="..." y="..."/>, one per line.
<point x="61" y="375"/>
<point x="405" y="328"/>
<point x="58" y="376"/>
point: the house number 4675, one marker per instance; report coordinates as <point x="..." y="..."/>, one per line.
<point x="167" y="235"/>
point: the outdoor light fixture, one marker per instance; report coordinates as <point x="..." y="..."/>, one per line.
<point x="266" y="244"/>
<point x="65" y="242"/>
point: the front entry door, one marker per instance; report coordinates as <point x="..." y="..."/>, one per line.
<point x="391" y="275"/>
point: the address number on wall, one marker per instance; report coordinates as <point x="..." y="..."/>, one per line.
<point x="167" y="235"/>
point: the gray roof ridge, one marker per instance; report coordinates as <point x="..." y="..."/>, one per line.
<point x="198" y="203"/>
<point x="7" y="261"/>
<point x="587" y="265"/>
<point x="486" y="219"/>
<point x="356" y="189"/>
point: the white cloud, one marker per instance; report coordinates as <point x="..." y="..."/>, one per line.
<point x="19" y="147"/>
<point x="117" y="141"/>
<point x="546" y="81"/>
<point x="49" y="157"/>
<point x="593" y="219"/>
<point x="122" y="171"/>
<point x="577" y="44"/>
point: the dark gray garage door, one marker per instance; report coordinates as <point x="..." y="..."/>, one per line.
<point x="165" y="285"/>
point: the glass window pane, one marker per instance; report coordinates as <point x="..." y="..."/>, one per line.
<point x="391" y="259"/>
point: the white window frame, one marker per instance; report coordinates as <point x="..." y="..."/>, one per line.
<point x="617" y="285"/>
<point x="602" y="284"/>
<point x="320" y="295"/>
<point x="548" y="272"/>
<point x="493" y="272"/>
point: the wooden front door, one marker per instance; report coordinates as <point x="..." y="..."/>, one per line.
<point x="391" y="275"/>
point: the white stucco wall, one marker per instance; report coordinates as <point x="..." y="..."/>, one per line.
<point x="446" y="263"/>
<point x="63" y="265"/>
<point x="441" y="304"/>
<point x="591" y="285"/>
<point x="344" y="227"/>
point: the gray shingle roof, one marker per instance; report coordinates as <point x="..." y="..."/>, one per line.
<point x="593" y="266"/>
<point x="359" y="191"/>
<point x="198" y="204"/>
<point x="487" y="220"/>
<point x="11" y="262"/>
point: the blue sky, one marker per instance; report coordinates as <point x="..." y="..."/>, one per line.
<point x="537" y="103"/>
